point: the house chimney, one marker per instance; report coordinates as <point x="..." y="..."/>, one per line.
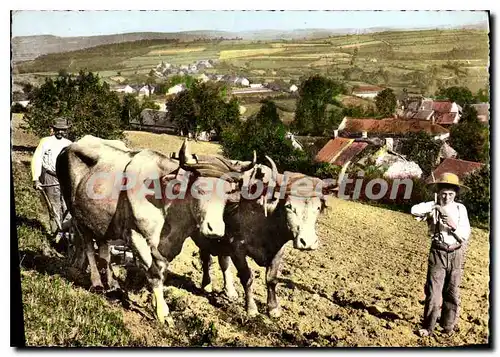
<point x="335" y="133"/>
<point x="364" y="134"/>
<point x="433" y="119"/>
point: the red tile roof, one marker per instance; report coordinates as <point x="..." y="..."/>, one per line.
<point x="456" y="166"/>
<point x="349" y="153"/>
<point x="392" y="126"/>
<point x="334" y="147"/>
<point x="423" y="114"/>
<point x="362" y="89"/>
<point x="446" y="118"/>
<point x="426" y="105"/>
<point x="442" y="106"/>
<point x="483" y="111"/>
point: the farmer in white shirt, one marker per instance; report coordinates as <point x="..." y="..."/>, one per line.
<point x="43" y="169"/>
<point x="449" y="230"/>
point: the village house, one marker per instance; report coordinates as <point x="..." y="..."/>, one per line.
<point x="146" y="90"/>
<point x="293" y="88"/>
<point x="344" y="152"/>
<point x="154" y="121"/>
<point x="389" y="127"/>
<point x="483" y="112"/>
<point x="339" y="151"/>
<point x="445" y="112"/>
<point x="203" y="78"/>
<point x="229" y="79"/>
<point x="205" y="63"/>
<point x="461" y="168"/>
<point x="176" y="89"/>
<point x="441" y="112"/>
<point x="367" y="91"/>
<point x="124" y="89"/>
<point x="242" y="81"/>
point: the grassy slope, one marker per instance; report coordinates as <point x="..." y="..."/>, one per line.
<point x="396" y="52"/>
<point x="370" y="260"/>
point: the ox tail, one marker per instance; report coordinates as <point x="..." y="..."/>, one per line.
<point x="63" y="175"/>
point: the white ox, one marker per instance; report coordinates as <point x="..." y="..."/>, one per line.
<point x="105" y="208"/>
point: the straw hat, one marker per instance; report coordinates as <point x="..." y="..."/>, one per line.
<point x="448" y="178"/>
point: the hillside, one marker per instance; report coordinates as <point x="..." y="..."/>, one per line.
<point x="343" y="294"/>
<point x="420" y="61"/>
<point x="26" y="48"/>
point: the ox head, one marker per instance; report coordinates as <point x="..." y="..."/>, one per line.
<point x="212" y="181"/>
<point x="301" y="199"/>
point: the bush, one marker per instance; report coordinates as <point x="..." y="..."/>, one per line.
<point x="317" y="110"/>
<point x="264" y="133"/>
<point x="423" y="149"/>
<point x="470" y="139"/>
<point x="386" y="102"/>
<point x="477" y="199"/>
<point x="203" y="107"/>
<point x="91" y="107"/>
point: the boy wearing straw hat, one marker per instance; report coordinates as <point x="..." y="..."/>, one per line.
<point x="449" y="229"/>
<point x="43" y="167"/>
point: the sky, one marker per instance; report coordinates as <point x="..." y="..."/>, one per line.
<point x="90" y="23"/>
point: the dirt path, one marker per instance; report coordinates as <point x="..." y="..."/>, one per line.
<point x="363" y="287"/>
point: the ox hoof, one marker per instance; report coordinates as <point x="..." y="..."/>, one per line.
<point x="231" y="294"/>
<point x="275" y="313"/>
<point x="162" y="310"/>
<point x="208" y="288"/>
<point x="252" y="312"/>
<point x="162" y="313"/>
<point x="97" y="288"/>
<point x="113" y="285"/>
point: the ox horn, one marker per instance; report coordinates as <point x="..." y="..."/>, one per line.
<point x="274" y="175"/>
<point x="235" y="166"/>
<point x="185" y="157"/>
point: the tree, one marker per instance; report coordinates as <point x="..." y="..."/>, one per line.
<point x="477" y="199"/>
<point x="469" y="114"/>
<point x="421" y="148"/>
<point x="470" y="139"/>
<point x="386" y="102"/>
<point x="265" y="133"/>
<point x="312" y="113"/>
<point x="483" y="96"/>
<point x="91" y="107"/>
<point x="130" y="110"/>
<point x="28" y="90"/>
<point x="203" y="107"/>
<point x="359" y="112"/>
<point x="459" y="95"/>
<point x="182" y="111"/>
<point x="148" y="103"/>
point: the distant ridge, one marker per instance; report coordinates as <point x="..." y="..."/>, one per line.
<point x="25" y="48"/>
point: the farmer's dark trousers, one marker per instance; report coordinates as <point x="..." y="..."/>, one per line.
<point x="55" y="197"/>
<point x="442" y="288"/>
